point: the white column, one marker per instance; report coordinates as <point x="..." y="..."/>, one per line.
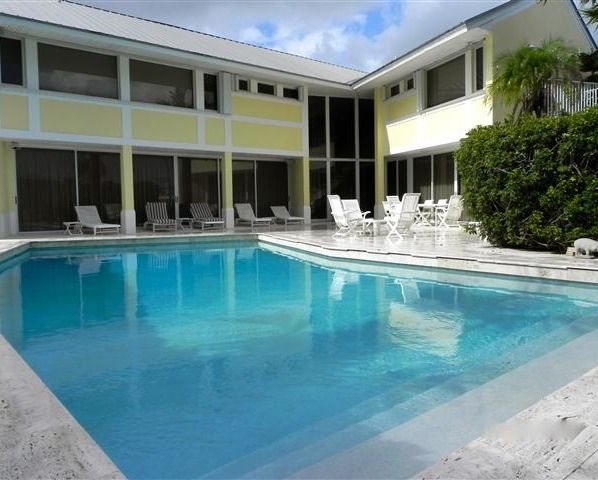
<point x="469" y="87"/>
<point x="32" y="82"/>
<point x="198" y="92"/>
<point x="410" y="175"/>
<point x="124" y="78"/>
<point x="224" y="92"/>
<point x="420" y="86"/>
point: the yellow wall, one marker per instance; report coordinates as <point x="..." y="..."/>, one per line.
<point x="7" y="178"/>
<point x="299" y="186"/>
<point x="163" y="126"/>
<point x="401" y="107"/>
<point x="381" y="145"/>
<point x="438" y="126"/>
<point x="262" y="108"/>
<point x="227" y="180"/>
<point x="59" y="116"/>
<point x="126" y="178"/>
<point x="214" y="132"/>
<point x="252" y="135"/>
<point x="14" y="112"/>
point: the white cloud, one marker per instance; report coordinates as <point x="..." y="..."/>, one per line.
<point x="333" y="31"/>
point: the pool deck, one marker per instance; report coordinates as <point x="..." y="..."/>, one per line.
<point x="30" y="415"/>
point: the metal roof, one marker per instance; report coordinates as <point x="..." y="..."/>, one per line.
<point x="104" y="22"/>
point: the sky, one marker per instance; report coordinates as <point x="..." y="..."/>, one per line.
<point x="358" y="34"/>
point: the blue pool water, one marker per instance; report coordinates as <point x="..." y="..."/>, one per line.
<point x="179" y="361"/>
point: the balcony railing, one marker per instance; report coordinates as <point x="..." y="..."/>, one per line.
<point x="569" y="97"/>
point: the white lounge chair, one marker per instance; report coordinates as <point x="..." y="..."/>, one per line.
<point x="90" y="218"/>
<point x="202" y="216"/>
<point x="400" y="219"/>
<point x="346" y="221"/>
<point x="282" y="215"/>
<point x="450" y="214"/>
<point x="246" y="216"/>
<point x="157" y="217"/>
<point x="353" y="211"/>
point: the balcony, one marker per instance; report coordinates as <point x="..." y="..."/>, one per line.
<point x="569" y="97"/>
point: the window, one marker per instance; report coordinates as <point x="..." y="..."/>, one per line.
<point x="11" y="61"/>
<point x="98" y="175"/>
<point x="444" y="176"/>
<point x="266" y="88"/>
<point x="290" y="93"/>
<point x="479" y="68"/>
<point x="317" y="189"/>
<point x="243" y="85"/>
<point x="446" y="82"/>
<point x="367" y="186"/>
<point x="422" y="177"/>
<point x="395" y="90"/>
<point x="153" y="181"/>
<point x="366" y="128"/>
<point x="210" y="91"/>
<point x="342" y="179"/>
<point x="342" y="127"/>
<point x="76" y="71"/>
<point x="198" y="182"/>
<point x="396" y="177"/>
<point x="410" y="84"/>
<point x="161" y="84"/>
<point x="317" y="126"/>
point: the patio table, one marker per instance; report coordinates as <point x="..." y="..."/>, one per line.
<point x="426" y="214"/>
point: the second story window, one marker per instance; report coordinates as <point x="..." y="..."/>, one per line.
<point x="243" y="85"/>
<point x="446" y="82"/>
<point x="77" y="71"/>
<point x="290" y="93"/>
<point x="395" y="90"/>
<point x="410" y="83"/>
<point x="210" y="91"/>
<point x="479" y="68"/>
<point x="266" y="88"/>
<point x="11" y="61"/>
<point x="161" y="84"/>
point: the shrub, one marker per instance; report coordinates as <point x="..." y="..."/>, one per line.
<point x="533" y="183"/>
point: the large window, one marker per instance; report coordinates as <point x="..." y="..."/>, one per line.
<point x="396" y="177"/>
<point x="317" y="126"/>
<point x="261" y="184"/>
<point x="317" y="189"/>
<point x="422" y="177"/>
<point x="444" y="176"/>
<point x="342" y="127"/>
<point x="153" y="181"/>
<point x="366" y="128"/>
<point x="367" y="186"/>
<point x="210" y="91"/>
<point x="77" y="71"/>
<point x="479" y="68"/>
<point x="342" y="179"/>
<point x="11" y="61"/>
<point x="99" y="183"/>
<point x="446" y="82"/>
<point x="161" y="84"/>
<point x="199" y="181"/>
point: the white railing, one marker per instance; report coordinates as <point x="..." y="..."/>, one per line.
<point x="569" y="97"/>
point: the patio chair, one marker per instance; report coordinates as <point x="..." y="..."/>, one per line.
<point x="90" y="218"/>
<point x="202" y="216"/>
<point x="424" y="214"/>
<point x="401" y="219"/>
<point x="346" y="221"/>
<point x="282" y="215"/>
<point x="246" y="216"/>
<point x="157" y="217"/>
<point x="353" y="211"/>
<point x="450" y="214"/>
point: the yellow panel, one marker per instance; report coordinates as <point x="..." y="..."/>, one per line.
<point x="253" y="135"/>
<point x="59" y="116"/>
<point x="299" y="186"/>
<point x="381" y="146"/>
<point x="214" y="131"/>
<point x="14" y="112"/>
<point x="163" y="126"/>
<point x="261" y="108"/>
<point x="402" y="107"/>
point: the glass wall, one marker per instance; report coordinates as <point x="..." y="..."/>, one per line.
<point x="317" y="189"/>
<point x="479" y="68"/>
<point x="46" y="188"/>
<point x="161" y="84"/>
<point x="269" y="177"/>
<point x="244" y="182"/>
<point x="444" y="176"/>
<point x="366" y="128"/>
<point x="342" y="179"/>
<point x="422" y="177"/>
<point x="98" y="175"/>
<point x="11" y="61"/>
<point x="210" y="91"/>
<point x="153" y="178"/>
<point x="317" y="126"/>
<point x="446" y="82"/>
<point x="199" y="181"/>
<point x="342" y="127"/>
<point x="77" y="71"/>
<point x="367" y="186"/>
<point x="396" y="177"/>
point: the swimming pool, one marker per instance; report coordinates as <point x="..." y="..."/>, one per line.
<point x="183" y="361"/>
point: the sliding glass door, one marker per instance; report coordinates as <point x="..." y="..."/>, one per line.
<point x="99" y="183"/>
<point x="153" y="177"/>
<point x="262" y="184"/>
<point x="199" y="181"/>
<point x="46" y="188"/>
<point x="422" y="177"/>
<point x="318" y="189"/>
<point x="444" y="176"/>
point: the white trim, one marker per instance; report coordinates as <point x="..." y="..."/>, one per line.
<point x="124" y="78"/>
<point x="198" y="92"/>
<point x="327" y="124"/>
<point x="266" y="97"/>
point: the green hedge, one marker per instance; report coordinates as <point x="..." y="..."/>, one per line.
<point x="533" y="183"/>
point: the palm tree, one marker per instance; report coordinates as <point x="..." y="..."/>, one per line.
<point x="521" y="75"/>
<point x="590" y="12"/>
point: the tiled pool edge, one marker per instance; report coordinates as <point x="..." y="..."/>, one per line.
<point x="578" y="274"/>
<point x="39" y="438"/>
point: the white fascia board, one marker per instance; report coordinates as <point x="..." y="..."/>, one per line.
<point x="115" y="45"/>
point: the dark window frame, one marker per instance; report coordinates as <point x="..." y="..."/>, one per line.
<point x="478" y="55"/>
<point x="458" y="58"/>
<point x="293" y="91"/>
<point x="208" y="104"/>
<point x="244" y="81"/>
<point x="260" y="88"/>
<point x="22" y="61"/>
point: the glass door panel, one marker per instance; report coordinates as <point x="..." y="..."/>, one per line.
<point x="46" y="188"/>
<point x="317" y="189"/>
<point x="153" y="176"/>
<point x="198" y="182"/>
<point x="99" y="183"/>
<point x="244" y="182"/>
<point x="272" y="186"/>
<point x="366" y="186"/>
<point x="342" y="179"/>
<point x="444" y="176"/>
<point x="422" y="177"/>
